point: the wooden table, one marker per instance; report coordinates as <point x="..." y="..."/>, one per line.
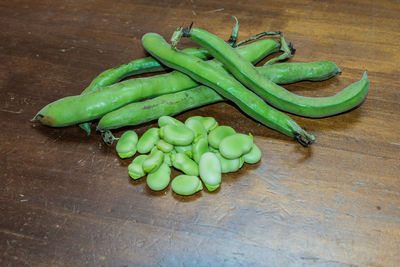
<point x="67" y="200"/>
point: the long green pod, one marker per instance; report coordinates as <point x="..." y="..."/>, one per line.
<point x="134" y="67"/>
<point x="81" y="108"/>
<point x="227" y="86"/>
<point x="246" y="73"/>
<point x="285" y="73"/>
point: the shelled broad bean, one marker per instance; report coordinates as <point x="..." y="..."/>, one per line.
<point x="187" y="148"/>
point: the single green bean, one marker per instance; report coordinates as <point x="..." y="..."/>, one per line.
<point x="148" y="140"/>
<point x="135" y="169"/>
<point x="164" y="146"/>
<point x="274" y="94"/>
<point x="177" y="135"/>
<point x="253" y="156"/>
<point x="153" y="160"/>
<point x="166" y="120"/>
<point x="186" y="185"/>
<point x="200" y="146"/>
<point x="185" y="164"/>
<point x="126" y="145"/>
<point x="236" y="145"/>
<point x="210" y="171"/>
<point x="225" y="85"/>
<point x="160" y="178"/>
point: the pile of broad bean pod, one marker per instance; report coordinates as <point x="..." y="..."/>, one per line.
<point x="217" y="71"/>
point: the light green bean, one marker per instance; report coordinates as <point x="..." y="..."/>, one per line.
<point x="135" y="169"/>
<point x="148" y="140"/>
<point x="236" y="145"/>
<point x="186" y="185"/>
<point x="160" y="178"/>
<point x="126" y="145"/>
<point x="210" y="171"/>
<point x="185" y="164"/>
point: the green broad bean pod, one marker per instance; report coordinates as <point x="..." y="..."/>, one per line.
<point x="285" y="73"/>
<point x="227" y="86"/>
<point x="87" y="107"/>
<point x="274" y="94"/>
<point x="126" y="145"/>
<point x="186" y="185"/>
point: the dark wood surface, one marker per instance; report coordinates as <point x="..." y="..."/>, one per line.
<point x="66" y="199"/>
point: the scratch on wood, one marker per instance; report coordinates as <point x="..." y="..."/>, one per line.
<point x="215" y="10"/>
<point x="12" y="111"/>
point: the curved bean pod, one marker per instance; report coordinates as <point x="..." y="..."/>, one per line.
<point x="284" y="73"/>
<point x="81" y="108"/>
<point x="245" y="72"/>
<point x="225" y="85"/>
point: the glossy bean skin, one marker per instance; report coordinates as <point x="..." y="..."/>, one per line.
<point x="177" y="135"/>
<point x="150" y="110"/>
<point x="229" y="165"/>
<point x="148" y="140"/>
<point x="274" y="94"/>
<point x="199" y="147"/>
<point x="208" y="122"/>
<point x="210" y="171"/>
<point x="215" y="136"/>
<point x="188" y="150"/>
<point x="135" y="169"/>
<point x="81" y="108"/>
<point x="160" y="178"/>
<point x="153" y="160"/>
<point x="126" y="145"/>
<point x="186" y="185"/>
<point x="168" y="120"/>
<point x="227" y="86"/>
<point x="197" y="128"/>
<point x="164" y="146"/>
<point x="235" y="146"/>
<point x="185" y="164"/>
<point x="285" y="73"/>
<point x="253" y="156"/>
<point x="137" y="66"/>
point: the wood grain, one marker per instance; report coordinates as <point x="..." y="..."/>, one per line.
<point x="67" y="200"/>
